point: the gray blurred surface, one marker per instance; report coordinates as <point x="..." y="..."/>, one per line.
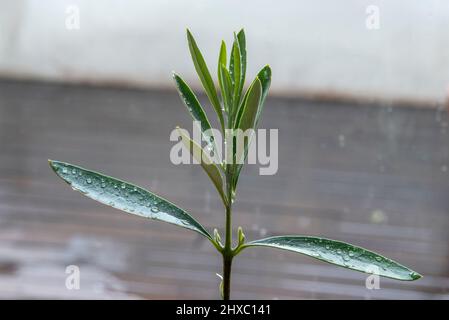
<point x="374" y="176"/>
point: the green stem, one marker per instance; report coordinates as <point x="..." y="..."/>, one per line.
<point x="227" y="264"/>
<point x="227" y="252"/>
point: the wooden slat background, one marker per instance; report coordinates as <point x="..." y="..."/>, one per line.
<point x="371" y="175"/>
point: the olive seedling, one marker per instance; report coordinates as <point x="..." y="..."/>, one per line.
<point x="234" y="110"/>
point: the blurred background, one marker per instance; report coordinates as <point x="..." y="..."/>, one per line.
<point x="359" y="95"/>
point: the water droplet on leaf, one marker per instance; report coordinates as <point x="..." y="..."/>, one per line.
<point x="154" y="209"/>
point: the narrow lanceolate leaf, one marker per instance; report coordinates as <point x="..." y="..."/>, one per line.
<point x="238" y="65"/>
<point x="196" y="111"/>
<point x="247" y="121"/>
<point x="236" y="74"/>
<point x="339" y="253"/>
<point x="206" y="163"/>
<point x="125" y="196"/>
<point x="225" y="86"/>
<point x="222" y="61"/>
<point x="252" y="102"/>
<point x="264" y="76"/>
<point x="239" y="111"/>
<point x="242" y="46"/>
<point x="205" y="77"/>
<point x="222" y="56"/>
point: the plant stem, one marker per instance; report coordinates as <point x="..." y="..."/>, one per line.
<point x="227" y="250"/>
<point x="227" y="264"/>
<point x="227" y="255"/>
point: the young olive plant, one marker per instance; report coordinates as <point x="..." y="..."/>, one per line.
<point x="234" y="110"/>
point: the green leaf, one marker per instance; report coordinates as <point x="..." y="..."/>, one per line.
<point x="236" y="74"/>
<point x="209" y="167"/>
<point x="264" y="76"/>
<point x="222" y="56"/>
<point x="205" y="77"/>
<point x="125" y="196"/>
<point x="248" y="117"/>
<point x="222" y="61"/>
<point x="239" y="112"/>
<point x="237" y="68"/>
<point x="225" y="86"/>
<point x="252" y="101"/>
<point x="242" y="46"/>
<point x="195" y="109"/>
<point x="339" y="253"/>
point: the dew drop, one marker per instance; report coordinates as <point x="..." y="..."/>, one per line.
<point x="64" y="170"/>
<point x="154" y="209"/>
<point x="328" y="247"/>
<point x="123" y="186"/>
<point x="346" y="258"/>
<point x="379" y="259"/>
<point x="73" y="171"/>
<point x="338" y="251"/>
<point x="89" y="180"/>
<point x="351" y="253"/>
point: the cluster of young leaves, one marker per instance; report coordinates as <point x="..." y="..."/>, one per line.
<point x="234" y="110"/>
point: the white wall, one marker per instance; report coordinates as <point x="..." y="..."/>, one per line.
<point x="313" y="46"/>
